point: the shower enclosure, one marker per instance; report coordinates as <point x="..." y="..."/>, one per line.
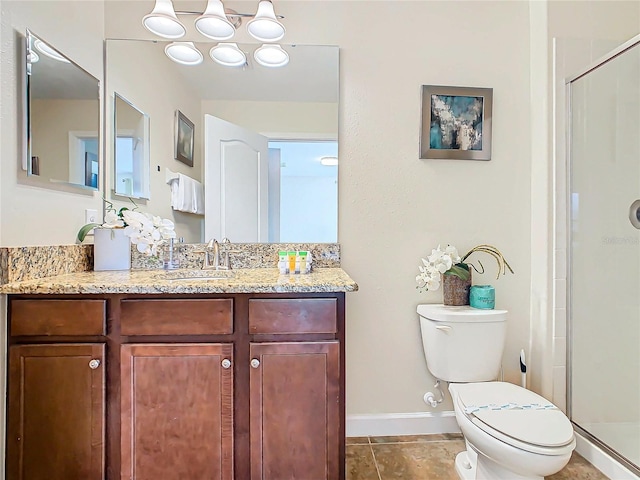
<point x="604" y="262"/>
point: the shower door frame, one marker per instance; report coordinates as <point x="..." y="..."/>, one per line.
<point x="621" y="50"/>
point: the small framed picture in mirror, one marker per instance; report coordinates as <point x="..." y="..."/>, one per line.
<point x="184" y="139"/>
<point x="35" y="165"/>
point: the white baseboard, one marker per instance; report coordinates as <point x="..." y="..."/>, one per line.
<point x="602" y="461"/>
<point x="394" y="424"/>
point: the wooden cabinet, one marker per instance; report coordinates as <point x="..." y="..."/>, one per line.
<point x="56" y="412"/>
<point x="295" y="406"/>
<point x="207" y="387"/>
<point x="177" y="411"/>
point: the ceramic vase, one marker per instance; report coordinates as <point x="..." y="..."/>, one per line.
<point x="111" y="249"/>
<point x="455" y="290"/>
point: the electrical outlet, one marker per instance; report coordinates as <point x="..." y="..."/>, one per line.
<point x="90" y="216"/>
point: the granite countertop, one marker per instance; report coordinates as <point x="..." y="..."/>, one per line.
<point x="250" y="280"/>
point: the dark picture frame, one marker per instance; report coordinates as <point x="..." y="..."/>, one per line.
<point x="456" y="123"/>
<point x="184" y="139"/>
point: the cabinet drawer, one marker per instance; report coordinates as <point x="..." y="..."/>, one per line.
<point x="301" y="315"/>
<point x="176" y="317"/>
<point x="58" y="317"/>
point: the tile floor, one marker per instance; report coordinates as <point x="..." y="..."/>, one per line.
<point x="428" y="457"/>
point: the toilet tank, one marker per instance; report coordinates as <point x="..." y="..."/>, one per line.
<point x="463" y="344"/>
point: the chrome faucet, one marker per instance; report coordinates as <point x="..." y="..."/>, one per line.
<point x="209" y="262"/>
<point x="213" y="259"/>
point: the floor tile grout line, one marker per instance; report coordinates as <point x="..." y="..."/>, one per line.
<point x="375" y="462"/>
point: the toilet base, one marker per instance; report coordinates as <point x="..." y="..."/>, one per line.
<point x="464" y="468"/>
<point x="485" y="469"/>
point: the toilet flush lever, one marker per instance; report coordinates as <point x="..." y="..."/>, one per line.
<point x="444" y="328"/>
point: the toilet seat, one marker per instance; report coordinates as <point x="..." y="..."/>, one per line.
<point x="516" y="416"/>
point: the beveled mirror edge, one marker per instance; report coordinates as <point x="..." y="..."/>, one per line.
<point x="25" y="148"/>
<point x="146" y="194"/>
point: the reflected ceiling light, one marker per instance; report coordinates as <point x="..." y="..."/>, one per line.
<point x="265" y="26"/>
<point x="213" y="23"/>
<point x="163" y="21"/>
<point x="32" y="56"/>
<point x="329" y="161"/>
<point x="49" y="52"/>
<point x="271" y="55"/>
<point x="185" y="53"/>
<point x="228" y="54"/>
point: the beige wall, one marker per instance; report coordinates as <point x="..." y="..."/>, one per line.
<point x="149" y="81"/>
<point x="50" y="127"/>
<point x="30" y="213"/>
<point x="278" y="117"/>
<point x="393" y="207"/>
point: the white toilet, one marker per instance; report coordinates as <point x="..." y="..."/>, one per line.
<point x="511" y="432"/>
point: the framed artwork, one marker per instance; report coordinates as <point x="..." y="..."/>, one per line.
<point x="456" y="123"/>
<point x="183" y="139"/>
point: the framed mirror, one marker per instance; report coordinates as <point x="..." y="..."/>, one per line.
<point x="63" y="118"/>
<point x="130" y="149"/>
<point x="295" y="107"/>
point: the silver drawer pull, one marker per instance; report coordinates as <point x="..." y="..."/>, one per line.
<point x="226" y="363"/>
<point x="93" y="364"/>
<point x="255" y="363"/>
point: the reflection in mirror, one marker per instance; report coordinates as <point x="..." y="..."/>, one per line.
<point x="63" y="124"/>
<point x="294" y="104"/>
<point x="131" y="149"/>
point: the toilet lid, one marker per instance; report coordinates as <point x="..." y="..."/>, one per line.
<point x="514" y="412"/>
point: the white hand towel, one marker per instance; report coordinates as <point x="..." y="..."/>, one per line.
<point x="187" y="195"/>
<point x="198" y="197"/>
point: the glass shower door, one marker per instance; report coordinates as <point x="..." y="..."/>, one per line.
<point x="604" y="277"/>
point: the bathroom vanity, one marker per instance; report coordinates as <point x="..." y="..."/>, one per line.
<point x="133" y="375"/>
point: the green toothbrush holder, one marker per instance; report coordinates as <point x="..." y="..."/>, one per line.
<point x="482" y="296"/>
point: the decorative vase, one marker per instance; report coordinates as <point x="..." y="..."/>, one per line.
<point x="455" y="290"/>
<point x="111" y="249"/>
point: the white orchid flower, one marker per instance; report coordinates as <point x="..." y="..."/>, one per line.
<point x="111" y="220"/>
<point x="452" y="252"/>
<point x="147" y="231"/>
<point x="433" y="283"/>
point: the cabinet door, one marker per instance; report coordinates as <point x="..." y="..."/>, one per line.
<point x="295" y="410"/>
<point x="177" y="411"/>
<point x="56" y="412"/>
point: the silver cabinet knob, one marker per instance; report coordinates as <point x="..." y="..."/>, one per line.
<point x="94" y="363"/>
<point x="255" y="363"/>
<point x="226" y="363"/>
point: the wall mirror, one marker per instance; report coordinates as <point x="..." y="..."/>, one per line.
<point x="130" y="149"/>
<point x="63" y="118"/>
<point x="295" y="107"/>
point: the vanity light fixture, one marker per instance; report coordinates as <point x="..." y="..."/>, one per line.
<point x="213" y="23"/>
<point x="265" y="26"/>
<point x="219" y="23"/>
<point x="184" y="53"/>
<point x="48" y="51"/>
<point x="271" y="55"/>
<point x="329" y="161"/>
<point x="228" y="54"/>
<point x="163" y="21"/>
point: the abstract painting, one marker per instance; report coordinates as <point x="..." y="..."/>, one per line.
<point x="456" y="123"/>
